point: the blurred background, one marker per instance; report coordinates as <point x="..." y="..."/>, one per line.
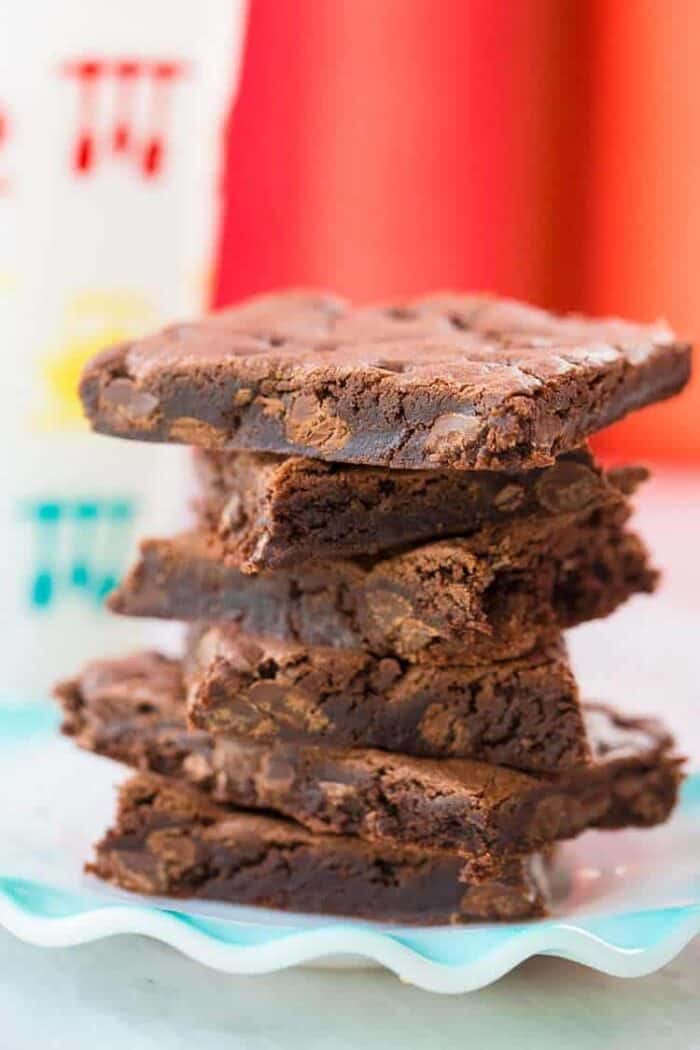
<point x="546" y="149"/>
<point x="159" y="158"/>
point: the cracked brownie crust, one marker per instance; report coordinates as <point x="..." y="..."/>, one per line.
<point x="458" y="381"/>
<point x="271" y="512"/>
<point x="169" y="839"/>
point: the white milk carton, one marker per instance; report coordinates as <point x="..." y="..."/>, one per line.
<point x="111" y="128"/>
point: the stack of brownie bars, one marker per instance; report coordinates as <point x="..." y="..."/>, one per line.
<point x="374" y="713"/>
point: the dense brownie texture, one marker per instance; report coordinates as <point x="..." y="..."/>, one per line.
<point x="169" y="839"/>
<point x="491" y="596"/>
<point x="523" y="713"/>
<point x="463" y="381"/>
<point x="481" y="811"/>
<point x="271" y="512"/>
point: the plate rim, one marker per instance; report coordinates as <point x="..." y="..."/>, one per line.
<point x="580" y="940"/>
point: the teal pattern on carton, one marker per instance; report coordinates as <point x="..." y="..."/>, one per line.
<point x="78" y="546"/>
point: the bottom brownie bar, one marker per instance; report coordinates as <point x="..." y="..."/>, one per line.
<point x="170" y="839"/>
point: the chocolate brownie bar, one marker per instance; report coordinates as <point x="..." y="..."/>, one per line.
<point x="460" y="381"/>
<point x="491" y="596"/>
<point x="132" y="709"/>
<point x="169" y="839"/>
<point x="523" y="713"/>
<point x="480" y="811"/>
<point x="271" y="512"/>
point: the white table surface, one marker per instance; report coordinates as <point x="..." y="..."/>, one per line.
<point x="132" y="993"/>
<point x="138" y="995"/>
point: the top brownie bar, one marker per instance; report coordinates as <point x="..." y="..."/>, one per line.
<point x="459" y="381"/>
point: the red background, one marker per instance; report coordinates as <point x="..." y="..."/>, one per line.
<point x="547" y="149"/>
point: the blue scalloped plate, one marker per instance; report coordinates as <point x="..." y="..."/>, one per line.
<point x="626" y="903"/>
